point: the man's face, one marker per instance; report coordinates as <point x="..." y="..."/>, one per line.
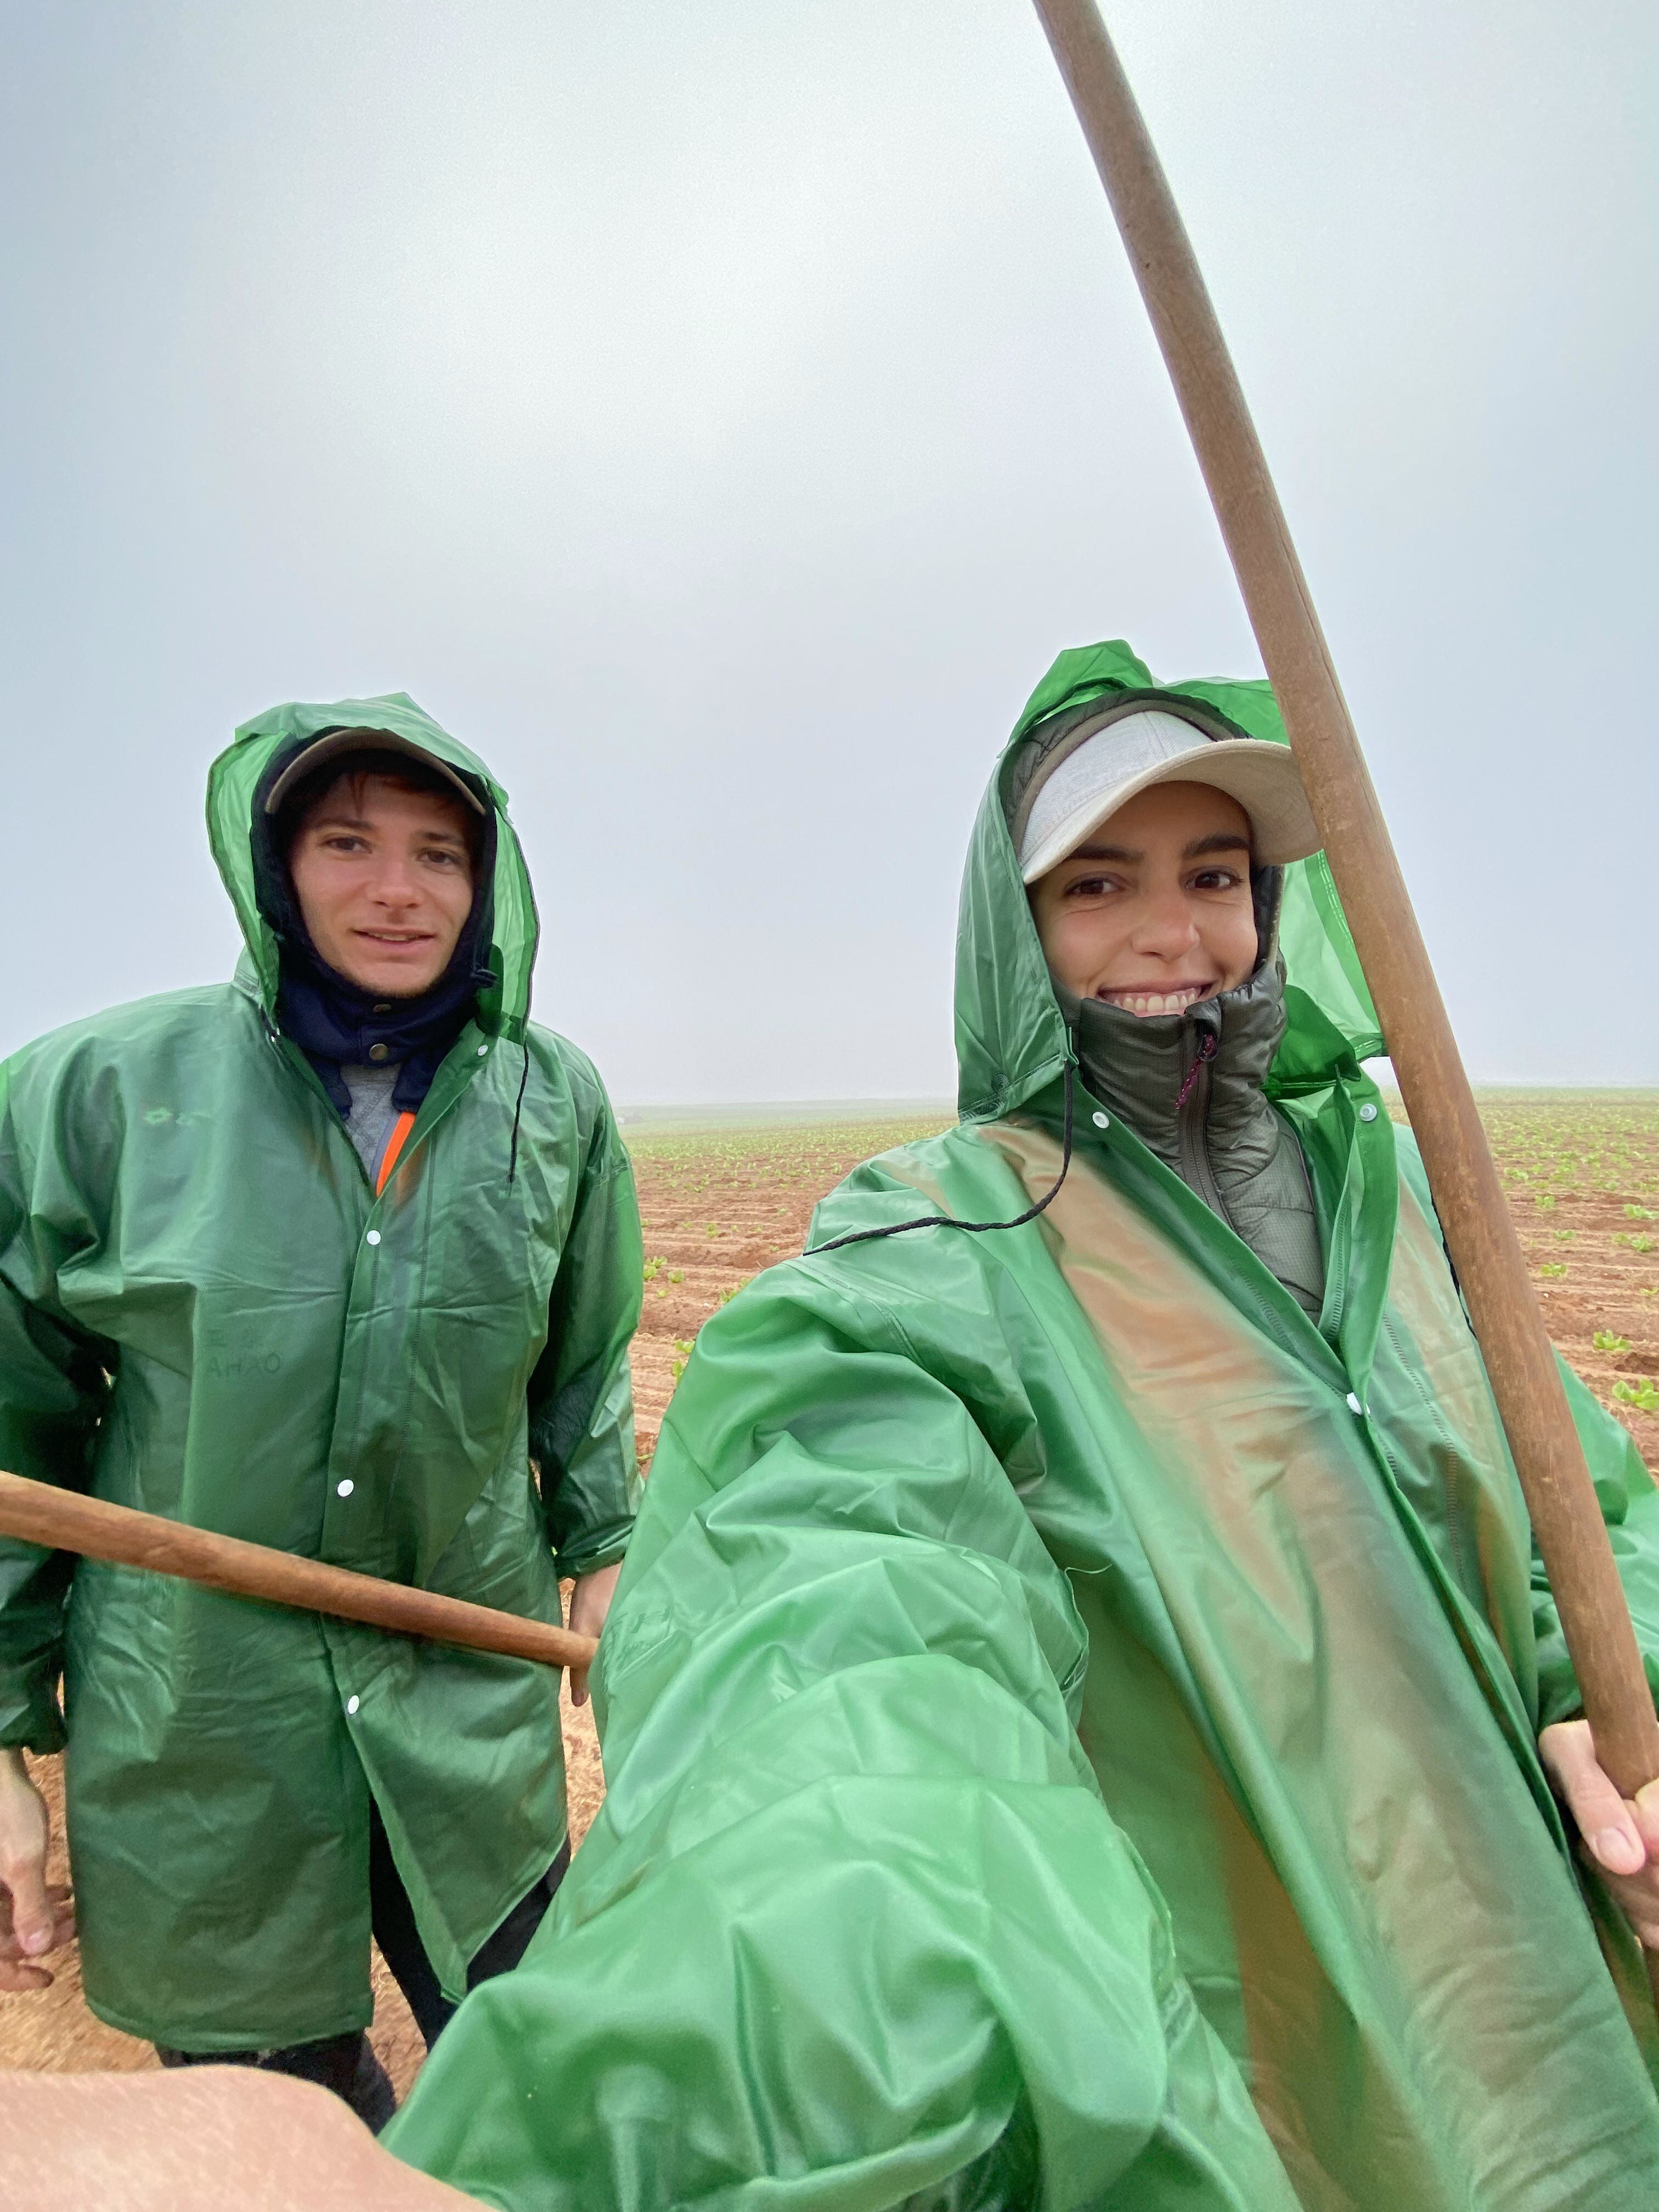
<point x="383" y="879"/>
<point x="1153" y="912"/>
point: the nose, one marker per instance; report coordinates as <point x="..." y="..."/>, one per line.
<point x="395" y="883"/>
<point x="1165" y="929"/>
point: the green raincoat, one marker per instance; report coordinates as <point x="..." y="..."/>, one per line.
<point x="1070" y="1715"/>
<point x="206" y="1312"/>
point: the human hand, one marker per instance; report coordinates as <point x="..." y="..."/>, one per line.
<point x="590" y="1601"/>
<point x="35" y="1915"/>
<point x="1619" y="1835"/>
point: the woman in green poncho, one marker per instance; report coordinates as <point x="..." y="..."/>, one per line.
<point x="1073" y="1705"/>
<point x="342" y="1256"/>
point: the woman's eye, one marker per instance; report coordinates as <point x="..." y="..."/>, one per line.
<point x="1090" y="887"/>
<point x="1218" y="879"/>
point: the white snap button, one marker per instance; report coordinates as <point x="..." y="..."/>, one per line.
<point x="483" y="1049"/>
<point x="1103" y="1121"/>
<point x="1354" y="1406"/>
<point x="1368" y="1113"/>
<point x="344" y="1489"/>
<point x="373" y="1237"/>
<point x="351" y="1704"/>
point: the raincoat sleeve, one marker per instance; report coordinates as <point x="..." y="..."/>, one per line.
<point x="853" y="1926"/>
<point x="52" y="1387"/>
<point x="1630" y="1506"/>
<point x="581" y="1396"/>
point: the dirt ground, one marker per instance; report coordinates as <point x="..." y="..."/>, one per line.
<point x="720" y="1202"/>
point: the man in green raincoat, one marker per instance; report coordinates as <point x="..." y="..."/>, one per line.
<point x="342" y="1257"/>
<point x="1073" y="1709"/>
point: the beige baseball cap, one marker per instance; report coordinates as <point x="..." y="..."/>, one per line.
<point x="1107" y="758"/>
<point x="334" y="743"/>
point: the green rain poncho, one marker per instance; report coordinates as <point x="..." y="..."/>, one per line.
<point x="206" y="1312"/>
<point x="1071" y="1718"/>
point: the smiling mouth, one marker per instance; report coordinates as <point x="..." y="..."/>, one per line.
<point x="1175" y="999"/>
<point x="396" y="940"/>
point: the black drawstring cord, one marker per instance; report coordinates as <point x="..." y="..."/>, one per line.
<point x="524" y="1078"/>
<point x="949" y="1221"/>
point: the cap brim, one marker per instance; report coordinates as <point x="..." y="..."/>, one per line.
<point x="1261" y="776"/>
<point x="335" y="743"/>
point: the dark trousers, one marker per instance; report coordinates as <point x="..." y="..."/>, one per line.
<point x="346" y="2063"/>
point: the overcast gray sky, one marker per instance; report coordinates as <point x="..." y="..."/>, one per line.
<point x="719" y="412"/>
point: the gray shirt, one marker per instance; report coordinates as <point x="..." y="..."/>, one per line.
<point x="372" y="1116"/>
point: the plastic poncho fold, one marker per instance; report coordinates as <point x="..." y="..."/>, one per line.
<point x="207" y="1312"/>
<point x="1070" y="1717"/>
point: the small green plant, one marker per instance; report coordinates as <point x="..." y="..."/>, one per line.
<point x="1643" y="1396"/>
<point x="1563" y="1236"/>
<point x="727" y="1297"/>
<point x="1642" y="1244"/>
<point x="676" y="1275"/>
<point x="1545" y="1198"/>
<point x="682" y="1353"/>
<point x="653" y="1268"/>
<point x="1648" y="1291"/>
<point x="1640" y="1213"/>
<point x="1605" y="1340"/>
<point x="1553" y="1268"/>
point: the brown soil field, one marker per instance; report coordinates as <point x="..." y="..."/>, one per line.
<point x="720" y="1202"/>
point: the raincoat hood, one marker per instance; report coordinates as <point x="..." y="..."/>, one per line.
<point x="262" y="746"/>
<point x="1011" y="1031"/>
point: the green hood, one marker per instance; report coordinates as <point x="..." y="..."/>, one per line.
<point x="235" y="776"/>
<point x="1011" y="1034"/>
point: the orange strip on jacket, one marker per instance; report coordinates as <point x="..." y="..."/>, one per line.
<point x="394" y="1144"/>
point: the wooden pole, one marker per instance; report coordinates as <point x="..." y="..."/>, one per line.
<point x="63" y="1521"/>
<point x="1468" y="1195"/>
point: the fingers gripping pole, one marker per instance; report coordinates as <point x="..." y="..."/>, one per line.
<point x="63" y="1521"/>
<point x="1467" y="1194"/>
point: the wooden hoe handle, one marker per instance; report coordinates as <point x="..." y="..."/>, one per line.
<point x="1467" y="1194"/>
<point x="63" y="1521"/>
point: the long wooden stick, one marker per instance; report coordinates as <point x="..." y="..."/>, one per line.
<point x="63" y="1521"/>
<point x="1468" y="1195"/>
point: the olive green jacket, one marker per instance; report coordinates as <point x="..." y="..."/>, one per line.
<point x="206" y="1312"/>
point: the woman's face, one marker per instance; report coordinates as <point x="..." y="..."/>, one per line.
<point x="1154" y="911"/>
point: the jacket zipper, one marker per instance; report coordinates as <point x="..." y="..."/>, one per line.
<point x="1191" y="1116"/>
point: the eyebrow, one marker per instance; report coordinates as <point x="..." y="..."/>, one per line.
<point x="1223" y="841"/>
<point x="357" y="822"/>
